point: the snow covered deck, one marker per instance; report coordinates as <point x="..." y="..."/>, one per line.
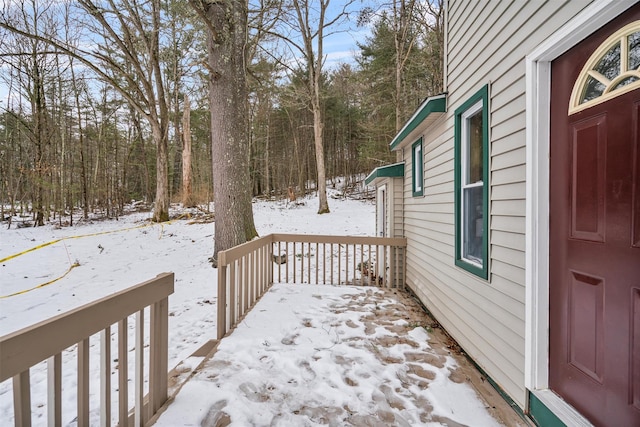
<point x="336" y="355"/>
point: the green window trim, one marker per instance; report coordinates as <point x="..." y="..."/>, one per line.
<point x="472" y="253"/>
<point x="417" y="168"/>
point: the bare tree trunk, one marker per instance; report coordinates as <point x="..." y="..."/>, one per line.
<point x="227" y="24"/>
<point x="267" y="177"/>
<point x="161" y="207"/>
<point x="187" y="197"/>
<point x="140" y="137"/>
<point x="39" y="131"/>
<point x="314" y="58"/>
<point x="398" y="95"/>
<point x="83" y="167"/>
<point x="318" y="129"/>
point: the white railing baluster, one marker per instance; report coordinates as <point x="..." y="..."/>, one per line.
<point x="245" y="287"/>
<point x="83" y="383"/>
<point x="379" y="265"/>
<point x="123" y="372"/>
<point x="295" y="256"/>
<point x="287" y="264"/>
<point x="362" y="267"/>
<point x="339" y="262"/>
<point x="279" y="262"/>
<point x="331" y="262"/>
<point x="105" y="377"/>
<point x="222" y="296"/>
<point x="159" y="364"/>
<point x="54" y="391"/>
<point x="242" y="295"/>
<point x="317" y="255"/>
<point x="310" y="256"/>
<point x="252" y="279"/>
<point x="324" y="263"/>
<point x="22" y="399"/>
<point x="139" y="369"/>
<point x="234" y="310"/>
<point x="385" y="282"/>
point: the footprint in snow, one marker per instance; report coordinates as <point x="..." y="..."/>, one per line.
<point x="251" y="392"/>
<point x="307" y="373"/>
<point x="290" y="339"/>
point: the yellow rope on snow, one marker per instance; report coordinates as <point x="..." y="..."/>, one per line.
<point x="75" y="264"/>
<point x="42" y="285"/>
<point x="75" y="237"/>
<point x="31" y="250"/>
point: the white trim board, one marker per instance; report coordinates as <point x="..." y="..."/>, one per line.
<point x="538" y="87"/>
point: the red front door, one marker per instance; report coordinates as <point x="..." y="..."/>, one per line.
<point x="594" y="241"/>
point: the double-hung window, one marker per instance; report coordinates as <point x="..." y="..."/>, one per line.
<point x="417" y="164"/>
<point x="471" y="183"/>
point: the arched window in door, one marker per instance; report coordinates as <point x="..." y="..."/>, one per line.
<point x="613" y="69"/>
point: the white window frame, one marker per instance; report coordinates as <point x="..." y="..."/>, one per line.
<point x="417" y="163"/>
<point x="464" y="151"/>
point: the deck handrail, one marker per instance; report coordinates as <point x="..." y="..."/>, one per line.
<point x="246" y="271"/>
<point x="326" y="238"/>
<point x="46" y="340"/>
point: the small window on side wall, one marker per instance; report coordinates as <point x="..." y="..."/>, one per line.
<point x="472" y="183"/>
<point x="417" y="166"/>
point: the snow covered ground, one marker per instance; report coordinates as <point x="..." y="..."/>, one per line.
<point x="98" y="258"/>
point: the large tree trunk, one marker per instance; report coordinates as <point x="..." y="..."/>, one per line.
<point x="161" y="207"/>
<point x="229" y="129"/>
<point x="161" y="131"/>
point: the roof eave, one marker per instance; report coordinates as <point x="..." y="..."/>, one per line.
<point x="431" y="109"/>
<point x="388" y="171"/>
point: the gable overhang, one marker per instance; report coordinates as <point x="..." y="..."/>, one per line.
<point x="388" y="171"/>
<point x="429" y="111"/>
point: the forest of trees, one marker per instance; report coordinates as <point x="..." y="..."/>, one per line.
<point x="107" y="102"/>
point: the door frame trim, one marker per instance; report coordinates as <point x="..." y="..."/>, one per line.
<point x="383" y="187"/>
<point x="538" y="97"/>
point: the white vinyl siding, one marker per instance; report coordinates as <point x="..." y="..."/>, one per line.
<point x="487" y="44"/>
<point x="397" y="226"/>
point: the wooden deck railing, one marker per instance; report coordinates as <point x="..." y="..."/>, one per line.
<point x="21" y="350"/>
<point x="246" y="271"/>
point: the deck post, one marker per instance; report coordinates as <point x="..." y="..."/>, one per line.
<point x="159" y="344"/>
<point x="222" y="295"/>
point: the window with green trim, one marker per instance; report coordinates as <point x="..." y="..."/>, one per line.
<point x="417" y="168"/>
<point x="472" y="183"/>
